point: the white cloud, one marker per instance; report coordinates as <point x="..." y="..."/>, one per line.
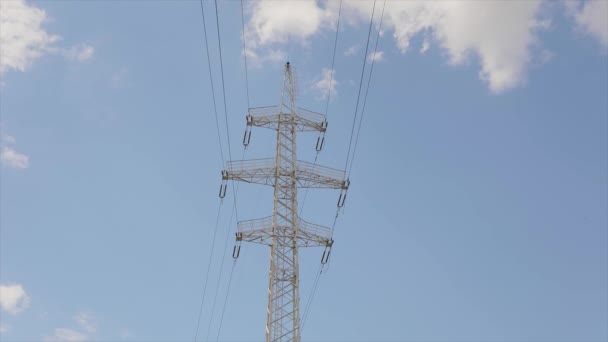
<point x="22" y="38"/>
<point x="79" y="53"/>
<point x="273" y="56"/>
<point x="87" y="322"/>
<point x="273" y="23"/>
<point x="14" y="159"/>
<point x="4" y="327"/>
<point x="352" y="50"/>
<point x="327" y="83"/>
<point x="9" y="139"/>
<point x="502" y="34"/>
<point x="376" y="56"/>
<point x="13" y="299"/>
<point x="87" y="327"/>
<point x="277" y="21"/>
<point x="66" y="335"/>
<point x="425" y="46"/>
<point x="591" y="17"/>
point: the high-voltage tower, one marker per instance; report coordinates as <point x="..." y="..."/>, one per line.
<point x="284" y="231"/>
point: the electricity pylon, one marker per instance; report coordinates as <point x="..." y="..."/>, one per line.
<point x="284" y="231"/>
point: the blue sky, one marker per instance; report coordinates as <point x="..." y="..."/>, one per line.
<point x="479" y="195"/>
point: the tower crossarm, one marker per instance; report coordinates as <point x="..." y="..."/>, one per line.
<point x="269" y="117"/>
<point x="264" y="171"/>
<point x="261" y="231"/>
<point x="311" y="175"/>
<point x="257" y="171"/>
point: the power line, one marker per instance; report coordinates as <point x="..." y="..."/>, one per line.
<point x="352" y="131"/>
<point x="234" y="192"/>
<point x="311" y="296"/>
<point x="204" y="292"/>
<point x="219" y="278"/>
<point x="217" y="124"/>
<point x="245" y="54"/>
<point x="367" y="89"/>
<point x="333" y="59"/>
<point x="318" y="276"/>
<point x="219" y="43"/>
<point x="232" y="215"/>
<point x="200" y="311"/>
<point x="225" y="301"/>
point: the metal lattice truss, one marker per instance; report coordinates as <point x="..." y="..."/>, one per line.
<point x="269" y="117"/>
<point x="264" y="171"/>
<point x="284" y="231"/>
<point x="261" y="231"/>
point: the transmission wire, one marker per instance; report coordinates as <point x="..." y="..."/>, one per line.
<point x="237" y="187"/>
<point x="318" y="276"/>
<point x="225" y="300"/>
<point x="223" y="259"/>
<point x="316" y="281"/>
<point x="219" y="279"/>
<point x="237" y="190"/>
<point x="245" y="54"/>
<point x="333" y="60"/>
<point x="204" y="292"/>
<point x="219" y="43"/>
<point x="217" y="124"/>
<point x="371" y="21"/>
<point x="200" y="311"/>
<point x="367" y="90"/>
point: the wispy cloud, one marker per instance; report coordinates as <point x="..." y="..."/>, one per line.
<point x="258" y="58"/>
<point x="14" y="159"/>
<point x="327" y="83"/>
<point x="4" y="328"/>
<point x="352" y="50"/>
<point x="66" y="335"/>
<point x="13" y="298"/>
<point x="425" y="46"/>
<point x="86" y="321"/>
<point x="376" y="56"/>
<point x="79" y="53"/>
<point x="87" y="327"/>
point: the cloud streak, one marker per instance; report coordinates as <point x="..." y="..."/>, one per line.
<point x="66" y="335"/>
<point x="327" y="83"/>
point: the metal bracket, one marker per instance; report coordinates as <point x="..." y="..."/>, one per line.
<point x="247" y="135"/>
<point x="320" y="142"/>
<point x="343" y="193"/>
<point x="224" y="184"/>
<point x="327" y="252"/>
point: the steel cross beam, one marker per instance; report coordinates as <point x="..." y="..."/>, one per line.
<point x="284" y="231"/>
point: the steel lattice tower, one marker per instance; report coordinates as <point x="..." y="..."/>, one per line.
<point x="284" y="231"/>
